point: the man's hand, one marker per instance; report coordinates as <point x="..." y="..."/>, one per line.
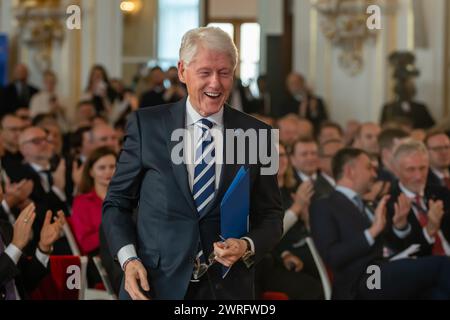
<point x="136" y="274"/>
<point x="59" y="176"/>
<point x="51" y="232"/>
<point x="230" y="251"/>
<point x="402" y="208"/>
<point x="17" y="194"/>
<point x="292" y="263"/>
<point x="435" y="214"/>
<point x="302" y="198"/>
<point x="380" y="218"/>
<point x="23" y="227"/>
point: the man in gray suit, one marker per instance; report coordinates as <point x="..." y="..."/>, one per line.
<point x="166" y="253"/>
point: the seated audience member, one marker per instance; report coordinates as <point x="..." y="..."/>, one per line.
<point x="305" y="160"/>
<point x="18" y="93"/>
<point x="302" y="102"/>
<point x="290" y="268"/>
<point x="87" y="206"/>
<point x="176" y="90"/>
<point x="155" y="95"/>
<point x="366" y="138"/>
<point x="349" y="237"/>
<point x="20" y="275"/>
<point x="325" y="183"/>
<point x="388" y="140"/>
<point x="329" y="131"/>
<point x="99" y="90"/>
<point x="262" y="103"/>
<point x="289" y="129"/>
<point x="438" y="145"/>
<point x="24" y="114"/>
<point x="11" y="128"/>
<point x="405" y="107"/>
<point x="105" y="136"/>
<point x="428" y="222"/>
<point x="48" y="101"/>
<point x="85" y="114"/>
<point x="48" y="187"/>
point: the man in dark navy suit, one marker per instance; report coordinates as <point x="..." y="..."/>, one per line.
<point x="165" y="254"/>
<point x="349" y="237"/>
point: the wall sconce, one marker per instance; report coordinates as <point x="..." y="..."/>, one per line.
<point x="130" y="6"/>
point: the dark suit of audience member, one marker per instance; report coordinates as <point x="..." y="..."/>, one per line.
<point x="417" y="234"/>
<point x="338" y="230"/>
<point x="11" y="162"/>
<point x="413" y="111"/>
<point x="16" y="95"/>
<point x="322" y="187"/>
<point x="26" y="274"/>
<point x="44" y="199"/>
<point x="315" y="112"/>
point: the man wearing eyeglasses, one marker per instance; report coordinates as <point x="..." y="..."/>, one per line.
<point x="167" y="253"/>
<point x="11" y="128"/>
<point x="438" y="144"/>
<point x="48" y="187"/>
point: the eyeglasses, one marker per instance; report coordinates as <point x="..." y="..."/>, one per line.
<point x="200" y="268"/>
<point x="440" y="148"/>
<point x="37" y="141"/>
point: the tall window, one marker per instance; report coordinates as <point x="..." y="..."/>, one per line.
<point x="175" y="17"/>
<point x="246" y="35"/>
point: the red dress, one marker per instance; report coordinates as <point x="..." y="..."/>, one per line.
<point x="85" y="221"/>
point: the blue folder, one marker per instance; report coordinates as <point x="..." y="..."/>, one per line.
<point x="235" y="208"/>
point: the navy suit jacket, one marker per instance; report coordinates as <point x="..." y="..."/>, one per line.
<point x="337" y="228"/>
<point x="168" y="227"/>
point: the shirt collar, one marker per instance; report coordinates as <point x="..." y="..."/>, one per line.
<point x="38" y="168"/>
<point x="349" y="193"/>
<point x="409" y="193"/>
<point x="192" y="116"/>
<point x="305" y="177"/>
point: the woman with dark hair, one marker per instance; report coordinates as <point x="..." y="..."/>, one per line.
<point x="99" y="90"/>
<point x="87" y="207"/>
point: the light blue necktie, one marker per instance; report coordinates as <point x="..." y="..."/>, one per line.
<point x="205" y="170"/>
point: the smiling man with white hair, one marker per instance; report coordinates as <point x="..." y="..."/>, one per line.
<point x="165" y="255"/>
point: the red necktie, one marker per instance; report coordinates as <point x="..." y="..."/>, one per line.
<point x="438" y="249"/>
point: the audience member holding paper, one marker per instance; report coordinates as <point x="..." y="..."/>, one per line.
<point x="202" y="222"/>
<point x="350" y="239"/>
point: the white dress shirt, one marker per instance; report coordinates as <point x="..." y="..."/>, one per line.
<point x="305" y="177"/>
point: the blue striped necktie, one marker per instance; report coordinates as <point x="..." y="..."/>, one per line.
<point x="205" y="170"/>
<point x="9" y="287"/>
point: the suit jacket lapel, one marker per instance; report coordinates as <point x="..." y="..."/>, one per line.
<point x="177" y="120"/>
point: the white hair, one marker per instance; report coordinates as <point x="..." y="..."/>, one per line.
<point x="208" y="37"/>
<point x="409" y="147"/>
